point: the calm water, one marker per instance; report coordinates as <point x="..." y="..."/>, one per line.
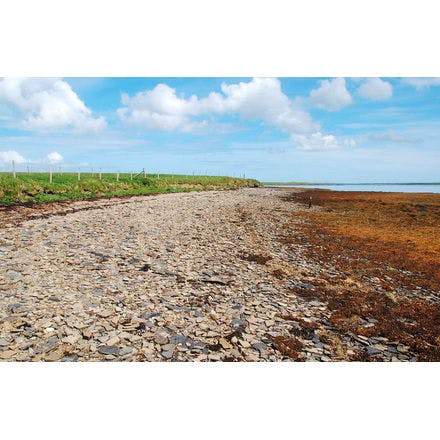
<point x="415" y="188"/>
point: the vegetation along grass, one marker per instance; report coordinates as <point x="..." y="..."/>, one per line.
<point x="36" y="187"/>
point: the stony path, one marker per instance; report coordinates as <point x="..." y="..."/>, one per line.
<point x="192" y="276"/>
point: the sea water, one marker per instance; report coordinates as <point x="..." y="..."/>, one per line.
<point x="388" y="187"/>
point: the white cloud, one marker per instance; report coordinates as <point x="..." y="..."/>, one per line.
<point x="9" y="156"/>
<point x="46" y="103"/>
<point x="420" y="83"/>
<point x="318" y="141"/>
<point x="375" y="89"/>
<point x="331" y="95"/>
<point x="258" y="100"/>
<point x="54" y="157"/>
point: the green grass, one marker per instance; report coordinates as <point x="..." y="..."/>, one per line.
<point x="35" y="187"/>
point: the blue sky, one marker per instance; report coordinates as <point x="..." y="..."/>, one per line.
<point x="285" y="129"/>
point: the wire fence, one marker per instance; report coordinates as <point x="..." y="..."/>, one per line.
<point x="16" y="170"/>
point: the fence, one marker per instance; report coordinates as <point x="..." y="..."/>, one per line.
<point x="53" y="170"/>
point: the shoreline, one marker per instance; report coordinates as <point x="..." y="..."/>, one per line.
<point x="245" y="275"/>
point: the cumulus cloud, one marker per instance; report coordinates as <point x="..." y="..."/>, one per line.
<point x="375" y="89"/>
<point x="331" y="95"/>
<point x="261" y="99"/>
<point x="46" y="103"/>
<point x="421" y="83"/>
<point x="11" y="155"/>
<point x="54" y="157"/>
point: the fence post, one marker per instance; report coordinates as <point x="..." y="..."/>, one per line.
<point x="131" y="175"/>
<point x="13" y="169"/>
<point x="100" y="174"/>
<point x="79" y="173"/>
<point x="117" y="176"/>
<point x="50" y="174"/>
<point x="145" y="174"/>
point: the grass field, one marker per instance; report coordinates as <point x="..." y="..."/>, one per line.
<point x="35" y="187"/>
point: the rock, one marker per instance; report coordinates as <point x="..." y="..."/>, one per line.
<point x="113" y="341"/>
<point x="7" y="354"/>
<point x="225" y="344"/>
<point x="88" y="334"/>
<point x="161" y="338"/>
<point x="125" y="335"/>
<point x="306" y="286"/>
<point x="371" y="351"/>
<point x="244" y="344"/>
<point x="109" y="350"/>
<point x="4" y="343"/>
<point x="105" y="313"/>
<point x="125" y="350"/>
<point x="168" y="354"/>
<point x="70" y="358"/>
<point x="72" y="339"/>
<point x="260" y="347"/>
<point x="53" y="355"/>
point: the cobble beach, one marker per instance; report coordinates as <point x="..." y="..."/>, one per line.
<point x="202" y="276"/>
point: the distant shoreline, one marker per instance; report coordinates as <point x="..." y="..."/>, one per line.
<point x="344" y="184"/>
<point x="432" y="188"/>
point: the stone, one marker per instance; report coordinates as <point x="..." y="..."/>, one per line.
<point x="72" y="339"/>
<point x="161" y="338"/>
<point x="70" y="358"/>
<point x="105" y="313"/>
<point x="168" y="354"/>
<point x="4" y="343"/>
<point x="225" y="344"/>
<point x="53" y="355"/>
<point x="109" y="350"/>
<point x="125" y="350"/>
<point x="371" y="351"/>
<point x="7" y="354"/>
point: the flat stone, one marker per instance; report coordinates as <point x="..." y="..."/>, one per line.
<point x="4" y="343"/>
<point x="109" y="350"/>
<point x="371" y="351"/>
<point x="53" y="355"/>
<point x="106" y="313"/>
<point x="225" y="344"/>
<point x="70" y="358"/>
<point x="7" y="354"/>
<point x="161" y="338"/>
<point x="72" y="339"/>
<point x="125" y="350"/>
<point x="168" y="354"/>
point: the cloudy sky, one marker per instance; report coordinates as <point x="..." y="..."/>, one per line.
<point x="273" y="129"/>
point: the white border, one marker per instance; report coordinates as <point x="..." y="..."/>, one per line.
<point x="222" y="38"/>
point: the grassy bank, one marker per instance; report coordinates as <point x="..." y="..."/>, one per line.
<point x="35" y="187"/>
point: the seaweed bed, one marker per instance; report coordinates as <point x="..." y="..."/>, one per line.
<point x="386" y="249"/>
